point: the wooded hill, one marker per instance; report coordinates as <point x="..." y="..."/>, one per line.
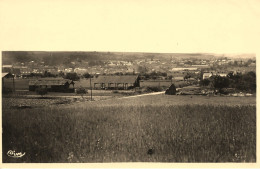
<point x="57" y="58"/>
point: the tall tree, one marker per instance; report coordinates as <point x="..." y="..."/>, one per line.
<point x="219" y="82"/>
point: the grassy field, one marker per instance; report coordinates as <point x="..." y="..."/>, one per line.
<point x="156" y="128"/>
<point x="174" y="100"/>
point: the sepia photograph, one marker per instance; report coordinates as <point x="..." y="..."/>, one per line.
<point x="126" y="84"/>
<point x="81" y="107"/>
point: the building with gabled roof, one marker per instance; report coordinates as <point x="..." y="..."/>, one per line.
<point x="117" y="82"/>
<point x="7" y="76"/>
<point x="207" y="75"/>
<point x="52" y="84"/>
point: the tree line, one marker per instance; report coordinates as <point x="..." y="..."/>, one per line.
<point x="240" y="82"/>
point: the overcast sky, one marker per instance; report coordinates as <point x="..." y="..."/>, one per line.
<point x="137" y="25"/>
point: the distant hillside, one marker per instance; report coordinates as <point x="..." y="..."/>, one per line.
<point x="56" y="58"/>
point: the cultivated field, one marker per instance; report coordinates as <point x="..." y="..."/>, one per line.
<point x="157" y="128"/>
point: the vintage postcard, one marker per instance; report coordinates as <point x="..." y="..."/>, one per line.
<point x="129" y="84"/>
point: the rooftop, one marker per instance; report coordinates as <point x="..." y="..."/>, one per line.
<point x="50" y="81"/>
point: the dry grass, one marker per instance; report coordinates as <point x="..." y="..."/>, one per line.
<point x="131" y="133"/>
<point x="170" y="100"/>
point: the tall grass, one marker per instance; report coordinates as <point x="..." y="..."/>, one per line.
<point x="187" y="133"/>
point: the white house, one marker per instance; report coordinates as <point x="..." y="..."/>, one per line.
<point x="207" y="75"/>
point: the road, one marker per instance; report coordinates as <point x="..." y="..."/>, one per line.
<point x="147" y="94"/>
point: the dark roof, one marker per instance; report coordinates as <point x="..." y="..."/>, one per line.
<point x="50" y="82"/>
<point x="116" y="79"/>
<point x="7" y="74"/>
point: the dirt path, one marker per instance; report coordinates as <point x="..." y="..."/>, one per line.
<point x="148" y="94"/>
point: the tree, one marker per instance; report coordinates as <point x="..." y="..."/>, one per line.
<point x="48" y="74"/>
<point x="72" y="76"/>
<point x="41" y="91"/>
<point x="187" y="77"/>
<point x="205" y="82"/>
<point x="61" y="74"/>
<point x="249" y="81"/>
<point x="87" y="75"/>
<point x="81" y="91"/>
<point x="219" y="82"/>
<point x="230" y="75"/>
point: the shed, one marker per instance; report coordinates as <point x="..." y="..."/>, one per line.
<point x="52" y="84"/>
<point x="171" y="90"/>
<point x="117" y="82"/>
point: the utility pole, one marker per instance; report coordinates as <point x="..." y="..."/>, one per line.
<point x="13" y="84"/>
<point x="90" y="89"/>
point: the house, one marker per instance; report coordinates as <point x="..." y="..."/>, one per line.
<point x="222" y="74"/>
<point x="8" y="83"/>
<point x="80" y="71"/>
<point x="207" y="75"/>
<point x="52" y="84"/>
<point x="117" y="82"/>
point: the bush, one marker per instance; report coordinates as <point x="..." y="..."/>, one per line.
<point x="81" y="91"/>
<point x="154" y="89"/>
<point x="41" y="91"/>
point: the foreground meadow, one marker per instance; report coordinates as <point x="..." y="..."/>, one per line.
<point x="134" y="130"/>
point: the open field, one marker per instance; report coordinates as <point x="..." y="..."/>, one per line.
<point x="157" y="128"/>
<point x="176" y="100"/>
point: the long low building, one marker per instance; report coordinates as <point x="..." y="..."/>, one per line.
<point x="117" y="82"/>
<point x="52" y="84"/>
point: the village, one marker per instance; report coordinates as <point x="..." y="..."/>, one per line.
<point x="175" y="76"/>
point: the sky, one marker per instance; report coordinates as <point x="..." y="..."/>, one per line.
<point x="168" y="26"/>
